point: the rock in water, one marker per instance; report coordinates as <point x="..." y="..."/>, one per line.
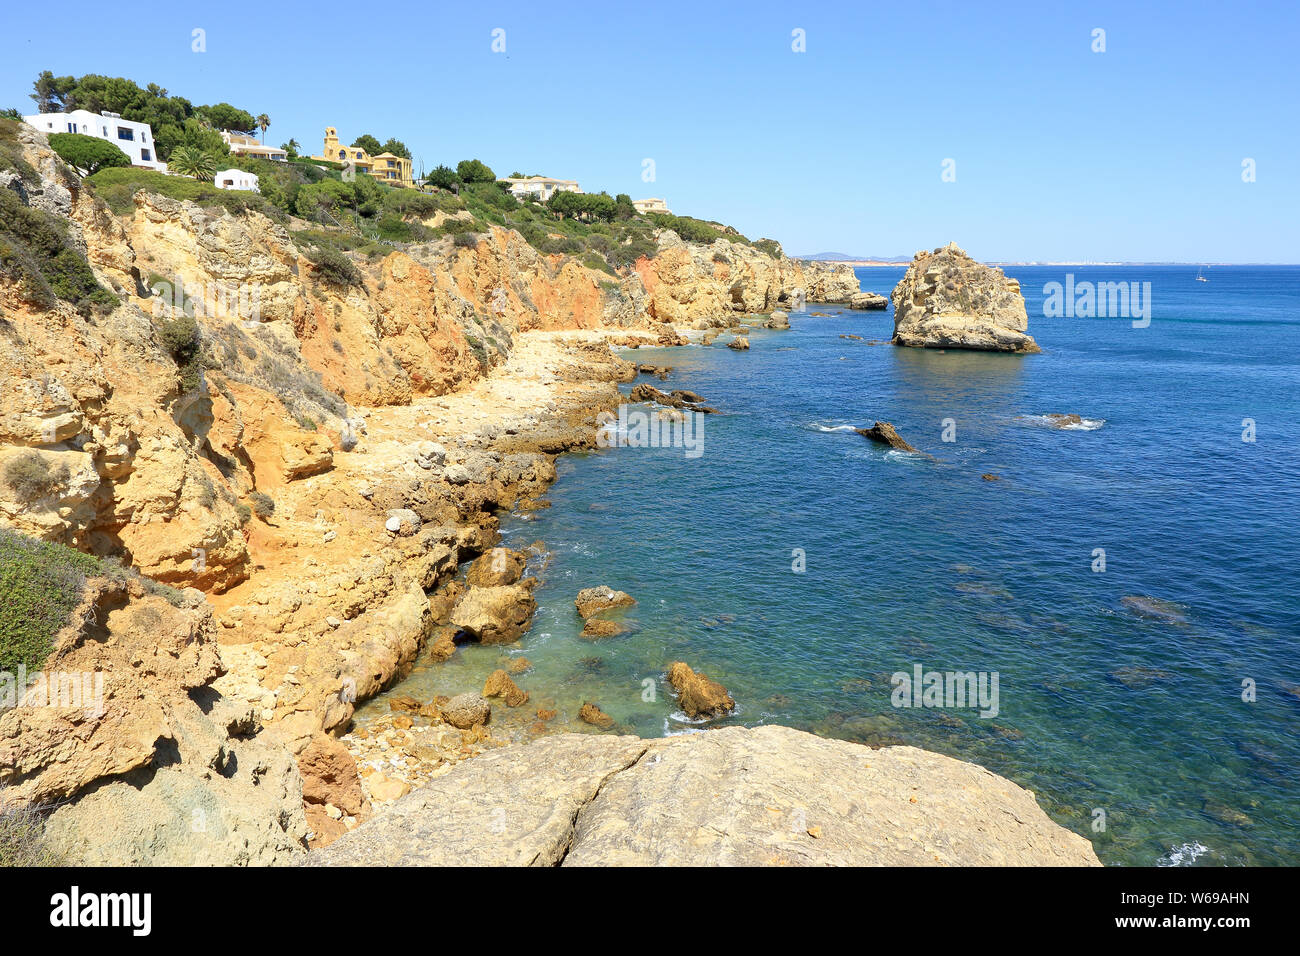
<point x="867" y="300"/>
<point x="731" y="797"/>
<point x="604" y="598"/>
<point x="739" y="343"/>
<point x="466" y="710"/>
<point x="884" y="433"/>
<point x="591" y="714"/>
<point x="496" y="615"/>
<point x="947" y="300"/>
<point x="500" y="685"/>
<point x="700" y="697"/>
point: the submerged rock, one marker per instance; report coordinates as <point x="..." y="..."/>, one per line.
<point x="596" y="628"/>
<point x="884" y="433"/>
<point x="1155" y="609"/>
<point x="699" y="697"/>
<point x="947" y="300"/>
<point x="736" y="797"/>
<point x="1136" y="677"/>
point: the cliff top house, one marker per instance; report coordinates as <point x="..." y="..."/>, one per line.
<point x="236" y="179"/>
<point x="387" y="168"/>
<point x="540" y="187"/>
<point x="134" y="139"/>
<point x="241" y="144"/>
<point x="644" y="206"/>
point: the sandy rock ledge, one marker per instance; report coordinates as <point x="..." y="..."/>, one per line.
<point x="731" y="797"/>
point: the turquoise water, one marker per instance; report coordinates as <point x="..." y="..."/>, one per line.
<point x="916" y="561"/>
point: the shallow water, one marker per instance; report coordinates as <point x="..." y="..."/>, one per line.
<point x="914" y="561"/>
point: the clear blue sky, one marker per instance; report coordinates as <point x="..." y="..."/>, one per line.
<point x="1060" y="152"/>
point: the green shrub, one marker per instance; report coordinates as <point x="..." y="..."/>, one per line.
<point x="182" y="340"/>
<point x="334" y="266"/>
<point x="36" y="253"/>
<point x="40" y="585"/>
<point x="263" y="504"/>
<point x="464" y="240"/>
<point x="32" y="478"/>
<point x="22" y="838"/>
<point x="88" y="153"/>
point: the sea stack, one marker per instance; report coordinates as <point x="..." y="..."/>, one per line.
<point x="947" y="300"/>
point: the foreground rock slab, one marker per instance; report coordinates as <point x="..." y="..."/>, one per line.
<point x="731" y="797"/>
<point x="947" y="300"/>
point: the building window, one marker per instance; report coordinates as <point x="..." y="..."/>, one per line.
<point x="124" y="133"/>
<point x="72" y="127"/>
<point x="144" y="154"/>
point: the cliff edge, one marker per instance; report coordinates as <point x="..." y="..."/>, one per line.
<point x="763" y="796"/>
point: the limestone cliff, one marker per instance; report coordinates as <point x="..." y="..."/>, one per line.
<point x="947" y="300"/>
<point x="708" y="286"/>
<point x="316" y="442"/>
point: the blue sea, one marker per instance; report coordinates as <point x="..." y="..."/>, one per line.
<point x="802" y="566"/>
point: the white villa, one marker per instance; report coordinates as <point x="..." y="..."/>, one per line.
<point x="134" y="139"/>
<point x="235" y="179"/>
<point x="644" y="206"/>
<point x="241" y="144"/>
<point x="541" y="188"/>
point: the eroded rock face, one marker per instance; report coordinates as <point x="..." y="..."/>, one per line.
<point x="582" y="800"/>
<point x="710" y="286"/>
<point x="947" y="300"/>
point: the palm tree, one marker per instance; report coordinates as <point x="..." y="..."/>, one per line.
<point x="192" y="161"/>
<point x="263" y="121"/>
<point x="291" y="147"/>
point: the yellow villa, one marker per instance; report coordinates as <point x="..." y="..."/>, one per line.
<point x="387" y="168"/>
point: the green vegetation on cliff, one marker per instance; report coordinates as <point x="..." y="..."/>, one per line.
<point x="40" y="584"/>
<point x="87" y="153"/>
<point x="35" y="250"/>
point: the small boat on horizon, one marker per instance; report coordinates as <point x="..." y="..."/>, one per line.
<point x="1200" y="277"/>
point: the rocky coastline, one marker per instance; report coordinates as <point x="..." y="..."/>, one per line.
<point x="292" y="493"/>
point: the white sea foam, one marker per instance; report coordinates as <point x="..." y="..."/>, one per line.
<point x="831" y="428"/>
<point x="1084" y="424"/>
<point x="1184" y="855"/>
